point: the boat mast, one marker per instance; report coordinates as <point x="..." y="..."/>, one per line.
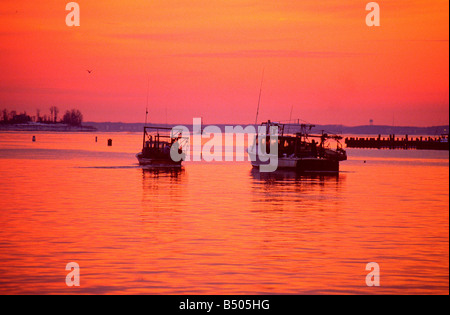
<point x="146" y="111"/>
<point x="148" y="91"/>
<point x="259" y="99"/>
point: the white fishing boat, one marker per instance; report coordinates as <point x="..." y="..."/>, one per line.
<point x="298" y="149"/>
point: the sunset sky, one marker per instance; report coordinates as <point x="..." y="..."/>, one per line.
<point x="205" y="58"/>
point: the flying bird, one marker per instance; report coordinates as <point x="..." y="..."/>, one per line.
<point x="89" y="71"/>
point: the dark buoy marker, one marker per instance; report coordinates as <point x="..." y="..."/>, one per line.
<point x="95" y="139"/>
<point x="109" y="142"/>
<point x="33" y="139"/>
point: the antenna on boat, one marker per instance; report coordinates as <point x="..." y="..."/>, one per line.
<point x="148" y="91"/>
<point x="259" y="99"/>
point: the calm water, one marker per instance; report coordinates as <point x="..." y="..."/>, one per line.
<point x="217" y="228"/>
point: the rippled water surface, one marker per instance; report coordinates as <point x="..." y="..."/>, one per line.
<point x="217" y="228"/>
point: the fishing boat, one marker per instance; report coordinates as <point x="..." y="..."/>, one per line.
<point x="298" y="149"/>
<point x="157" y="145"/>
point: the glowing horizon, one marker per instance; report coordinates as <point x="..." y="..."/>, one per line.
<point x="205" y="59"/>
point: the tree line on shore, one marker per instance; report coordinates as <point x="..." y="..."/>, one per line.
<point x="71" y="117"/>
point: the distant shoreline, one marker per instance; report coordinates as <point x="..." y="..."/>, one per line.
<point x="336" y="129"/>
<point x="46" y="127"/>
<point x="138" y="127"/>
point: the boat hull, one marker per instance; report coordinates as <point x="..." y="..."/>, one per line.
<point x="302" y="165"/>
<point x="155" y="162"/>
<point x="317" y="165"/>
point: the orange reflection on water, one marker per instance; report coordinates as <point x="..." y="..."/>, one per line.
<point x="218" y="228"/>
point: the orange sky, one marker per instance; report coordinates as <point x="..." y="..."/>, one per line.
<point x="205" y="58"/>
